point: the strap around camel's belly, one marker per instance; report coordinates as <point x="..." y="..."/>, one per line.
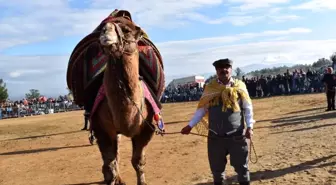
<point x="147" y="95"/>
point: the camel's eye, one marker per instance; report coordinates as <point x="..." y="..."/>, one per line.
<point x="126" y="29"/>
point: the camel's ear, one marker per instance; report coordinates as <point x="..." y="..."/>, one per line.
<point x="138" y="32"/>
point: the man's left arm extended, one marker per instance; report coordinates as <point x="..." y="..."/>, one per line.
<point x="248" y="115"/>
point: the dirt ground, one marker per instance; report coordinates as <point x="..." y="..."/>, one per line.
<point x="294" y="140"/>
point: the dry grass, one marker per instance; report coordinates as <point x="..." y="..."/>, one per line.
<point x="294" y="139"/>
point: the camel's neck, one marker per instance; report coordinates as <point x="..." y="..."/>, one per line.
<point x="124" y="74"/>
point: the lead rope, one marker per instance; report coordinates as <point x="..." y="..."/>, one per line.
<point x="254" y="151"/>
<point x="251" y="148"/>
<point x="159" y="132"/>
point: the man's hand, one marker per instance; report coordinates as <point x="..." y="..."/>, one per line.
<point x="186" y="130"/>
<point x="249" y="133"/>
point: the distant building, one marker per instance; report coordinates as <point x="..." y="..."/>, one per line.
<point x="195" y="80"/>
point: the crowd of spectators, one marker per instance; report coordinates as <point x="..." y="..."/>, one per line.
<point x="294" y="82"/>
<point x="35" y="106"/>
<point x="182" y="93"/>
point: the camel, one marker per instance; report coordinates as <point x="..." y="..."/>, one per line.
<point x="124" y="110"/>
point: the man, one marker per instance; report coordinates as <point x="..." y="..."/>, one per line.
<point x="222" y="101"/>
<point x="329" y="84"/>
<point x="0" y="111"/>
<point x="86" y="119"/>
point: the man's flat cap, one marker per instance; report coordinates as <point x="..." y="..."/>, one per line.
<point x="222" y="62"/>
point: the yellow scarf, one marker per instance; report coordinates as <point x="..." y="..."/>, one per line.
<point x="214" y="93"/>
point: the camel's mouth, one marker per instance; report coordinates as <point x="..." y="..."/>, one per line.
<point x="111" y="39"/>
<point x="114" y="49"/>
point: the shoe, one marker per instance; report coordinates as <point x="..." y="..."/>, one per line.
<point x="244" y="183"/>
<point x="221" y="183"/>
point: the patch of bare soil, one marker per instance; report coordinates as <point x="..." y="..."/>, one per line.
<point x="294" y="139"/>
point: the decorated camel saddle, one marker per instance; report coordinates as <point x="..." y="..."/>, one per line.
<point x="87" y="64"/>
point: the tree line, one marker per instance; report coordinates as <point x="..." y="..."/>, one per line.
<point x="33" y="93"/>
<point x="318" y="66"/>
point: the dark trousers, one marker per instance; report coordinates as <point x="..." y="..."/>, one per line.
<point x="86" y="120"/>
<point x="331" y="99"/>
<point x="218" y="149"/>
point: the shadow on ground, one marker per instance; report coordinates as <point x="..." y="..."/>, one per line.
<point x="271" y="174"/>
<point x="306" y="110"/>
<point x="42" y="150"/>
<point x="45" y="135"/>
<point x="294" y="116"/>
<point x="88" y="183"/>
<point x="302" y="119"/>
<point x="308" y="128"/>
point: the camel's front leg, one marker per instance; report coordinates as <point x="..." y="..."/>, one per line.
<point x="139" y="144"/>
<point x="109" y="151"/>
<point x="108" y="143"/>
<point x="110" y="169"/>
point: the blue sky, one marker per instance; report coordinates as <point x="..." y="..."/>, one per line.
<point x="37" y="36"/>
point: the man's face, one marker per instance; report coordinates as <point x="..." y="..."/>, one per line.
<point x="328" y="70"/>
<point x="224" y="72"/>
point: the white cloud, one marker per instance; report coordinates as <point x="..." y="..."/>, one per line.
<point x="237" y="20"/>
<point x="253" y="4"/>
<point x="316" y="5"/>
<point x="302" y="51"/>
<point x="177" y="49"/>
<point x="276" y="58"/>
<point x="281" y="38"/>
<point x="18" y="73"/>
<point x="60" y="18"/>
<point x="13" y="82"/>
<point x="229" y="39"/>
<point x="275" y="10"/>
<point x="283" y="18"/>
<point x="14" y="74"/>
<point x="22" y="73"/>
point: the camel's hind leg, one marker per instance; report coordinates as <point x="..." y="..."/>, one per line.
<point x="139" y="144"/>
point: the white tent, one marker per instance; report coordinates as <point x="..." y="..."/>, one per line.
<point x="190" y="80"/>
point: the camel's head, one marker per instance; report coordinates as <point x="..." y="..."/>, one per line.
<point x="120" y="37"/>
